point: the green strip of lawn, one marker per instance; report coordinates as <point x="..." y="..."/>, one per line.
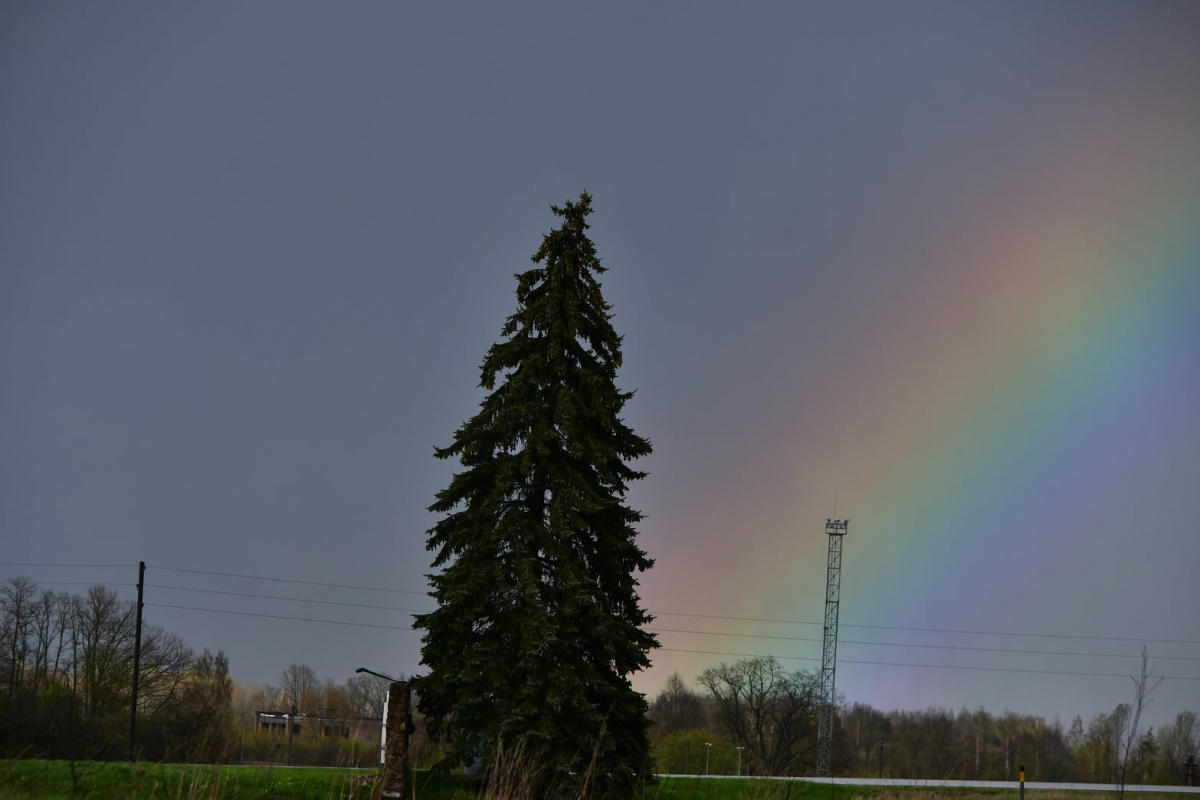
<point x="54" y="779"/>
<point x="30" y="778"/>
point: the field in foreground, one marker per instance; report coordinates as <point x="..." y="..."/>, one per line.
<point x="62" y="779"/>
<point x="53" y="779"/>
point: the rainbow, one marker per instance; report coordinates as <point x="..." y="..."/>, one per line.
<point x="1049" y="350"/>
<point x="1081" y="318"/>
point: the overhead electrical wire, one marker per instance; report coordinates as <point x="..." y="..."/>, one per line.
<point x="288" y="580"/>
<point x="92" y="566"/>
<point x="280" y="616"/>
<point x="696" y="632"/>
<point x="924" y="646"/>
<point x="703" y="652"/>
<point x="714" y="616"/>
<point x="290" y="599"/>
<point x="1038" y="635"/>
<point x="931" y="666"/>
<point x="657" y="613"/>
<point x="930" y="630"/>
<point x="85" y="583"/>
<point x="736" y="619"/>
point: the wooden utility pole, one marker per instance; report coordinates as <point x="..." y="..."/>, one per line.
<point x="137" y="660"/>
<point x="291" y="721"/>
<point x="395" y="763"/>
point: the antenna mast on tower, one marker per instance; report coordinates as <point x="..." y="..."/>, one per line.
<point x="835" y="529"/>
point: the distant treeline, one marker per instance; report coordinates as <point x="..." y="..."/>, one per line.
<point x="772" y="715"/>
<point x="66" y="667"/>
<point x="66" y="678"/>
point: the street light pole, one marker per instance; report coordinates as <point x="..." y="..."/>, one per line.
<point x="740" y="749"/>
<point x="707" y="753"/>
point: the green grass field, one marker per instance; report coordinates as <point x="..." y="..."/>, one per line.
<point x="89" y="779"/>
<point x="54" y="779"/>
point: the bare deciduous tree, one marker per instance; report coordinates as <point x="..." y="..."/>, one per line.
<point x="1144" y="683"/>
<point x="103" y="651"/>
<point x="367" y="695"/>
<point x="17" y="599"/>
<point x="677" y="708"/>
<point x="298" y="685"/>
<point x="1177" y="741"/>
<point x="942" y="740"/>
<point x="978" y="724"/>
<point x="166" y="664"/>
<point x="770" y="712"/>
<point x="866" y="729"/>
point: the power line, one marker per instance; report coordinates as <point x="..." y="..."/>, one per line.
<point x="737" y="619"/>
<point x="739" y="655"/>
<point x="1014" y="669"/>
<point x="967" y="648"/>
<point x="704" y="652"/>
<point x="289" y="580"/>
<point x="279" y="616"/>
<point x="700" y="632"/>
<point x="82" y="583"/>
<point x="722" y="616"/>
<point x="924" y="646"/>
<point x="1138" y="639"/>
<point x="92" y="566"/>
<point x="928" y="666"/>
<point x="1039" y="635"/>
<point x="291" y="599"/>
<point x="663" y="630"/>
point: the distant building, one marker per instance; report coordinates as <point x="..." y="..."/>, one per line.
<point x="275" y="721"/>
<point x="368" y="730"/>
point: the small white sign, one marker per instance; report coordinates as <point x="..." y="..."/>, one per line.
<point x="383" y="737"/>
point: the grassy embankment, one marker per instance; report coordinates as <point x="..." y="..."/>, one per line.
<point x="62" y="779"/>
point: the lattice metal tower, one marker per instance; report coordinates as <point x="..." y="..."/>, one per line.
<point x="835" y="529"/>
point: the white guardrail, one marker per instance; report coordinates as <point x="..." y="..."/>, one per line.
<point x="927" y="784"/>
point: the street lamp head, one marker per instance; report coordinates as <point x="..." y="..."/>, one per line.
<point x="377" y="674"/>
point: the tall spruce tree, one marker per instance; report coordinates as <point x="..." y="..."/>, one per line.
<point x="538" y="625"/>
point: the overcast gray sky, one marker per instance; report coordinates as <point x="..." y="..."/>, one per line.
<point x="936" y="260"/>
